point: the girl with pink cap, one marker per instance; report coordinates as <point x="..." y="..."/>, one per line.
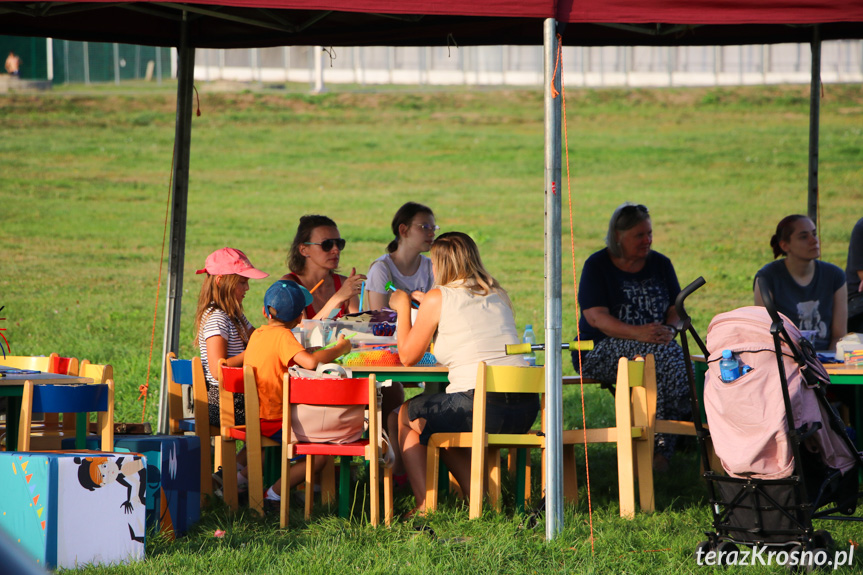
<point x="221" y="328"/>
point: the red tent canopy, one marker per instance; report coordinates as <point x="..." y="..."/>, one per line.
<point x="247" y="23"/>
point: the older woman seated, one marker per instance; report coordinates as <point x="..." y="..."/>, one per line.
<point x="626" y="295"/>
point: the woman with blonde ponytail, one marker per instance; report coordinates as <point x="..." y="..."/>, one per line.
<point x="471" y="320"/>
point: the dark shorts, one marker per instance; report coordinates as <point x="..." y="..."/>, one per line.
<point x="453" y="412"/>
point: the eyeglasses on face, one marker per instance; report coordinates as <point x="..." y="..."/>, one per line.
<point x="427" y="227"/>
<point x="327" y="245"/>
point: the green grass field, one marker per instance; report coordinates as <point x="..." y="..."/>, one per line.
<point x="84" y="188"/>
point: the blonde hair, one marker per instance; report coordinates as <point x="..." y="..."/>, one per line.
<point x="219" y="294"/>
<point x="455" y="257"/>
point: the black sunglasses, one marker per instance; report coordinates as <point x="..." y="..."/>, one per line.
<point x="327" y="245"/>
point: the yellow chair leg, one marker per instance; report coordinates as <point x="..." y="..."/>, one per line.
<point x="477" y="468"/>
<point x="256" y="480"/>
<point x="229" y="473"/>
<point x="310" y="485"/>
<point x="623" y="419"/>
<point x="388" y="496"/>
<point x="374" y="492"/>
<point x="494" y="478"/>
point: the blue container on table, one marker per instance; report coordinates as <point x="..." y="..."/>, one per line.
<point x="69" y="509"/>
<point x="173" y="477"/>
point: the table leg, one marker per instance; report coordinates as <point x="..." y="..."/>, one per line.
<point x="858" y="417"/>
<point x="13" y="417"/>
<point x="81" y="421"/>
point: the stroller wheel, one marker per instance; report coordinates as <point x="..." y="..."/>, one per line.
<point x="701" y="550"/>
<point x="823" y="540"/>
<point x="727" y="553"/>
<point x="805" y="563"/>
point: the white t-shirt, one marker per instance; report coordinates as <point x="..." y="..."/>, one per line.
<point x="473" y="328"/>
<point x="384" y="270"/>
<point x="215" y="323"/>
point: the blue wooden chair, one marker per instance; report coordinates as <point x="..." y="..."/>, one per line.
<point x="190" y="373"/>
<point x="98" y="397"/>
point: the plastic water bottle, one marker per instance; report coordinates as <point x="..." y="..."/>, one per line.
<point x="729" y="368"/>
<point x="529" y="337"/>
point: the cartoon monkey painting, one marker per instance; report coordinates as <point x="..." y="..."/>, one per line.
<point x="96" y="472"/>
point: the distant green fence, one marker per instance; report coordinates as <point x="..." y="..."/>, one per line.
<point x="86" y="62"/>
<point x="93" y="62"/>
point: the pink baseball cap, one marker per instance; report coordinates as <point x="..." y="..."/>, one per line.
<point x="228" y="261"/>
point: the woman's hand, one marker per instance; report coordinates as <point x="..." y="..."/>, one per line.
<point x="418" y="296"/>
<point x="400" y="302"/>
<point x="350" y="287"/>
<point x="601" y="319"/>
<point x="654" y="333"/>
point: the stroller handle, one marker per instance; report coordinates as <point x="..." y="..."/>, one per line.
<point x="678" y="302"/>
<point x="767" y="298"/>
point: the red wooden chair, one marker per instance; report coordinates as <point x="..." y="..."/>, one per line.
<point x="335" y="392"/>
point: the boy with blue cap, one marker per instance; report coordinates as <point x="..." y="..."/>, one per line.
<point x="272" y="350"/>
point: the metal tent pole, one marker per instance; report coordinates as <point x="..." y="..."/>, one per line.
<point x="814" y="119"/>
<point x="553" y="308"/>
<point x="179" y="204"/>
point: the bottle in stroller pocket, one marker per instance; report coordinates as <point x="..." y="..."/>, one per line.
<point x="729" y="367"/>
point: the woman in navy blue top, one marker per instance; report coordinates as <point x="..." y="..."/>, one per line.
<point x="626" y="296"/>
<point x="811" y="293"/>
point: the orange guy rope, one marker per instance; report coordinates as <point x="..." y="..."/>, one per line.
<point x="143" y="389"/>
<point x="574" y="279"/>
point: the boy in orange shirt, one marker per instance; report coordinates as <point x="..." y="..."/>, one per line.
<point x="272" y="349"/>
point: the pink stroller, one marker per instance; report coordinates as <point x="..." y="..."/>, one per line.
<point x="785" y="451"/>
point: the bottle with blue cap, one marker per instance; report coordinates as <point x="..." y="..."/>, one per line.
<point x="729" y="367"/>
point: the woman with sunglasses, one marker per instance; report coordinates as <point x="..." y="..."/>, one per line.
<point x="313" y="257"/>
<point x="404" y="265"/>
<point x="626" y="296"/>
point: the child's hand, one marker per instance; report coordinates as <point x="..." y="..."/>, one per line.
<point x="418" y="296"/>
<point x="343" y="346"/>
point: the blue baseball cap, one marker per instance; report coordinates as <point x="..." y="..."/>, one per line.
<point x="288" y="298"/>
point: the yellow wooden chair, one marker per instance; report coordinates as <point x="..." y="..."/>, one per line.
<point x="190" y="372"/>
<point x="242" y="380"/>
<point x="485" y="447"/>
<point x="34" y="362"/>
<point x="633" y="435"/>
